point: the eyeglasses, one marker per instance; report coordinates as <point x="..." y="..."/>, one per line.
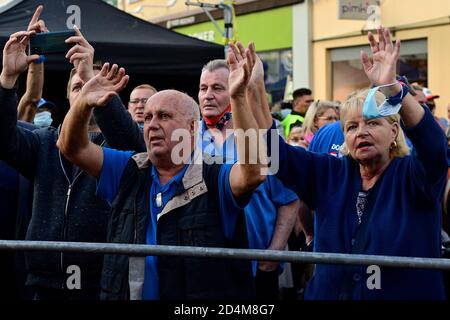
<point x="330" y="118"/>
<point x="136" y="101"/>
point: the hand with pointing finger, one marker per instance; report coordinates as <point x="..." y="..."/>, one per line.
<point x="81" y="55"/>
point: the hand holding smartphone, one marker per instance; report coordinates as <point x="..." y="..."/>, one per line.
<point x="50" y="42"/>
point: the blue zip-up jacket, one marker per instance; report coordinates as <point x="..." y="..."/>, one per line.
<point x="65" y="205"/>
<point x="405" y="215"/>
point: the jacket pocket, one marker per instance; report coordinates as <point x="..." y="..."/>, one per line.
<point x="198" y="230"/>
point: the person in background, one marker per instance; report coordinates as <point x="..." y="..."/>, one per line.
<point x="328" y="139"/>
<point x="270" y="214"/>
<point x="302" y="100"/>
<point x="65" y="206"/>
<point x="138" y="97"/>
<point x="43" y="117"/>
<point x="297" y="137"/>
<point x="318" y="115"/>
<point x="426" y="98"/>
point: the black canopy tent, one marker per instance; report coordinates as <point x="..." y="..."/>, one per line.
<point x="149" y="53"/>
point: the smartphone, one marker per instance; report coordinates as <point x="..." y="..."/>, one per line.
<point x="50" y="42"/>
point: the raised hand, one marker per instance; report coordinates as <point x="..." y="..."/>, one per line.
<point x="15" y="59"/>
<point x="35" y="23"/>
<point x="81" y="55"/>
<point x="100" y="89"/>
<point x="257" y="76"/>
<point x="382" y="69"/>
<point x="241" y="65"/>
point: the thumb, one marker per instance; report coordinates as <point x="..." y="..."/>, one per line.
<point x="33" y="58"/>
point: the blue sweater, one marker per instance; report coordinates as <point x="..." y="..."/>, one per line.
<point x="405" y="214"/>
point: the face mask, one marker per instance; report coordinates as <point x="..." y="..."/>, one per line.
<point x="294" y="144"/>
<point x="372" y="111"/>
<point x="43" y="119"/>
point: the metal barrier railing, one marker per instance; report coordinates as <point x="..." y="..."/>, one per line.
<point x="140" y="250"/>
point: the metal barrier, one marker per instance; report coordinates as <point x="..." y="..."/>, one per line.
<point x="140" y="250"/>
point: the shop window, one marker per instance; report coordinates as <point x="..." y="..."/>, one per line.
<point x="348" y="74"/>
<point x="277" y="72"/>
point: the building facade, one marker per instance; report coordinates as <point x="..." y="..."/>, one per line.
<point x="270" y="24"/>
<point x="317" y="43"/>
<point x="422" y="26"/>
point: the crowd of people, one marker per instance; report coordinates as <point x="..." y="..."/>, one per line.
<point x="364" y="176"/>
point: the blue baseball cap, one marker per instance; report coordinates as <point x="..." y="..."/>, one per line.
<point x="45" y="103"/>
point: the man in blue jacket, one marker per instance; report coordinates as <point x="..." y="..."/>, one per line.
<point x="65" y="207"/>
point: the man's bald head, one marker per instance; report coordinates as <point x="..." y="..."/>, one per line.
<point x="178" y="100"/>
<point x="166" y="114"/>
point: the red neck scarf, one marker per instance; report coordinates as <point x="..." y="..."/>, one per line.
<point x="212" y="122"/>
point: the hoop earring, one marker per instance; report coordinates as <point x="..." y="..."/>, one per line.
<point x="393" y="145"/>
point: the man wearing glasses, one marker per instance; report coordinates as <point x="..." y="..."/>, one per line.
<point x="138" y="98"/>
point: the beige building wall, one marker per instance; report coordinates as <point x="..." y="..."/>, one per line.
<point x="412" y="19"/>
<point x="154" y="9"/>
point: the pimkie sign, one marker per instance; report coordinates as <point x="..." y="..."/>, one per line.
<point x="357" y="9"/>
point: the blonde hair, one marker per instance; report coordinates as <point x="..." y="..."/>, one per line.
<point x="317" y="109"/>
<point x="295" y="130"/>
<point x="356" y="100"/>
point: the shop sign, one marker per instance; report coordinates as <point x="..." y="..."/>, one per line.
<point x="208" y="35"/>
<point x="180" y="22"/>
<point x="357" y="9"/>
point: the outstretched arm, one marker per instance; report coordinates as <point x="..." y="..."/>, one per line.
<point x="246" y="175"/>
<point x="382" y="71"/>
<point x="74" y="141"/>
<point x="116" y="124"/>
<point x="256" y="91"/>
<point x="428" y="139"/>
<point x="28" y="103"/>
<point x="35" y="79"/>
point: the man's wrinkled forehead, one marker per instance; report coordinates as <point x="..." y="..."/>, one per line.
<point x="216" y="76"/>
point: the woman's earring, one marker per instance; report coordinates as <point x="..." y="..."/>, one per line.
<point x="393" y="145"/>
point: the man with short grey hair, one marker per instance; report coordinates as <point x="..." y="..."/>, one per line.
<point x="271" y="212"/>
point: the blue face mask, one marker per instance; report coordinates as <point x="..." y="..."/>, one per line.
<point x="43" y="119"/>
<point x="373" y="111"/>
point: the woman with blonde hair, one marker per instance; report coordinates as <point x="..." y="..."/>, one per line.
<point x="319" y="114"/>
<point x="378" y="199"/>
